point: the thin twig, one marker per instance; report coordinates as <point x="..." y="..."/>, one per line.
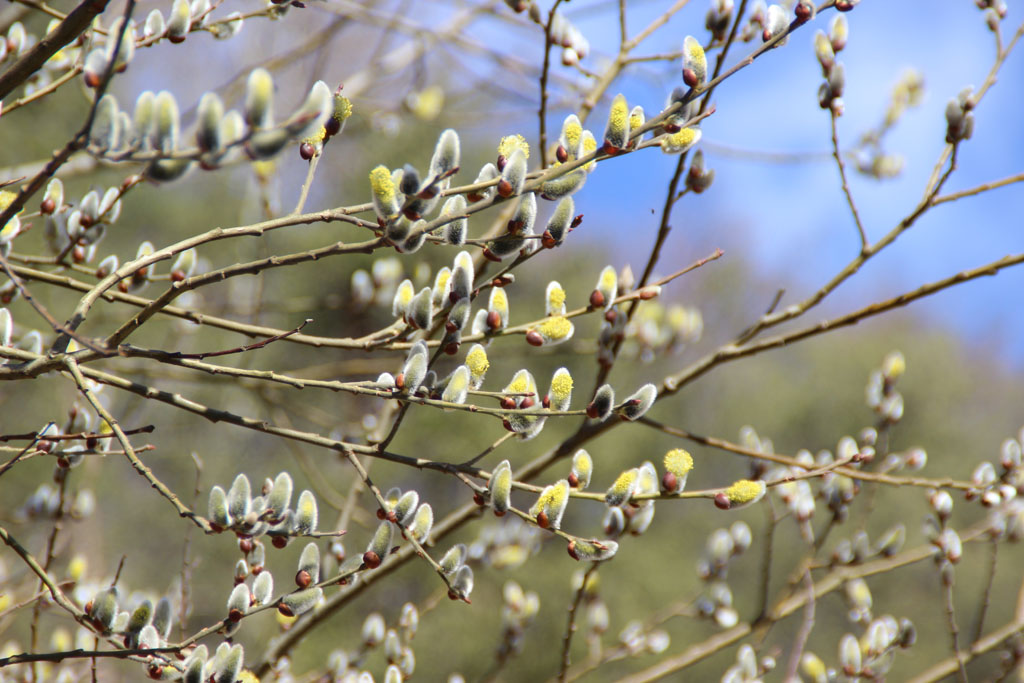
<point x="978" y="189"/>
<point x="181" y="508"/>
<point x="487" y="451"/>
<point x="771" y="522"/>
<point x="837" y="155"/>
<point x="570" y="627"/>
<point x="20" y="454"/>
<point x="239" y="349"/>
<point x="805" y="631"/>
<point x="979" y="621"/>
<point x="954" y="631"/>
<point x="304" y="191"/>
<point x="545" y="69"/>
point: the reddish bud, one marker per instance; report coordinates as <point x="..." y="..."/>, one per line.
<point x="400" y="380"/>
<point x="279" y="541"/>
<point x="533" y="338"/>
<point x="285" y="610"/>
<point x="505" y="188"/>
<point x="547" y="240"/>
<point x="235" y="616"/>
<point x="177" y="275"/>
<point x="451" y="348"/>
<point x="596" y="299"/>
<point x="561" y="154"/>
<point x="490" y="255"/>
<point x="303" y="579"/>
<point x="478" y="499"/>
<point x="500" y="162"/>
<point x="542" y="520"/>
<point x="307" y="151"/>
<point x="332" y="127"/>
<point x="93" y="80"/>
<point x="245" y="545"/>
<point x="722" y="501"/>
<point x="546" y="402"/>
<point x="371" y="559"/>
<point x="493" y="320"/>
<point x="610" y="315"/>
<point x="690" y="78"/>
<point x="48" y="206"/>
<point x="571" y="549"/>
<point x="574" y="481"/>
<point x="670" y="127"/>
<point x="669" y="482"/>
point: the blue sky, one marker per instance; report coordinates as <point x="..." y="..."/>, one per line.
<point x="790" y="219"/>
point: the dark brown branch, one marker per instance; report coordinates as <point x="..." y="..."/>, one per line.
<point x="77" y="436"/>
<point x="68" y="30"/>
<point x="238" y="349"/>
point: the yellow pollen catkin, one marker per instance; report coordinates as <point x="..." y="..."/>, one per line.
<point x="477" y="361"/>
<point x="499" y="301"/>
<point x="555" y="328"/>
<point x="342" y="108"/>
<point x="511" y="143"/>
<point x="561" y="386"/>
<point x="573" y="132"/>
<point x="682" y="138"/>
<point x="745" y="491"/>
<point x="556" y="298"/>
<point x="619" y="114"/>
<point x="381" y="183"/>
<point x="678" y="461"/>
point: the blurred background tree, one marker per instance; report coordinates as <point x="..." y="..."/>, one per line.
<point x="813" y="159"/>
